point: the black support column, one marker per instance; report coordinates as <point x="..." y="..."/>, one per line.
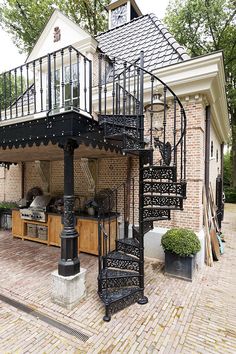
<point x="69" y="263"/>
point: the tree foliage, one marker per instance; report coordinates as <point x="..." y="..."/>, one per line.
<point x="25" y="19"/>
<point x="204" y="26"/>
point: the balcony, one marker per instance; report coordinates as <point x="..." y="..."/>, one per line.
<point x="54" y="83"/>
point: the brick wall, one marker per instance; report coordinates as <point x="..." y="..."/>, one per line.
<point x="112" y="172"/>
<point x="10" y="183"/>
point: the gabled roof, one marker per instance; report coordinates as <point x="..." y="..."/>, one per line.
<point x="70" y="34"/>
<point x="145" y="33"/>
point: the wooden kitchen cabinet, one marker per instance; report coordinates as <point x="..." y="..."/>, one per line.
<point x="88" y="234"/>
<point x="17" y="224"/>
<point x="87" y="228"/>
<point x="54" y="229"/>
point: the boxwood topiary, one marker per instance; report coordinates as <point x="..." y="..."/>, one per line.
<point x="183" y="242"/>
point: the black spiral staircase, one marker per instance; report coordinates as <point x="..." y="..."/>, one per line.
<point x="161" y="184"/>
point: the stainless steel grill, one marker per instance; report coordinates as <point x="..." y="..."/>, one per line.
<point x="37" y="209"/>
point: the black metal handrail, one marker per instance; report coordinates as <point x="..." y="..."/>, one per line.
<point x="55" y="82"/>
<point x="130" y="80"/>
<point x="105" y="217"/>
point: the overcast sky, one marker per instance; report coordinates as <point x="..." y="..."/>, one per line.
<point x="11" y="58"/>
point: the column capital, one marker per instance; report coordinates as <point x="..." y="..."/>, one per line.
<point x="69" y="145"/>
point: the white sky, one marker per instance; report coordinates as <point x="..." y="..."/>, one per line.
<point x="10" y="57"/>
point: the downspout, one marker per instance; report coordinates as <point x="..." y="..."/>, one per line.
<point x="22" y="180"/>
<point x="207" y="149"/>
<point x="222" y="161"/>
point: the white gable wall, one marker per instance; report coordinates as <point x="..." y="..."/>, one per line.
<point x="70" y="35"/>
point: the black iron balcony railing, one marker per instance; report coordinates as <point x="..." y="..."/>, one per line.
<point x="56" y="82"/>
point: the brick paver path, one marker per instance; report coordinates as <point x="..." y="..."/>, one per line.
<point x="181" y="317"/>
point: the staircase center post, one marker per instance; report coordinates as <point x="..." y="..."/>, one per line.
<point x="143" y="300"/>
<point x="69" y="263"/>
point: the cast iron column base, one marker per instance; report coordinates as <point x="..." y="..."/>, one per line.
<point x="69" y="263"/>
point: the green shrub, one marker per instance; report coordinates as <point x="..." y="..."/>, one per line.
<point x="183" y="242"/>
<point x="8" y="205"/>
<point x="227" y="169"/>
<point x="230" y="195"/>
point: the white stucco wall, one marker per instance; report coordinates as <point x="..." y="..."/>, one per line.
<point x="215" y="164"/>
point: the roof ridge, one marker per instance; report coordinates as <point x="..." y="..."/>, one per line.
<point x="179" y="49"/>
<point x="124" y="24"/>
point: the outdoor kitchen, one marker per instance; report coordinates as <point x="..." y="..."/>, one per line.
<point x="40" y="219"/>
<point x="38" y="216"/>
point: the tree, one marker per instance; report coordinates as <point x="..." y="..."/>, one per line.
<point x="25" y="19"/>
<point x="204" y="26"/>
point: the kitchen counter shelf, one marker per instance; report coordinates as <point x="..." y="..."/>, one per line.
<point x="86" y="226"/>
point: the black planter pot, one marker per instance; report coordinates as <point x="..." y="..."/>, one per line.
<point x="5" y="218"/>
<point x="180" y="266"/>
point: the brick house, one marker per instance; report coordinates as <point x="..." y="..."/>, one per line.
<point x="88" y="108"/>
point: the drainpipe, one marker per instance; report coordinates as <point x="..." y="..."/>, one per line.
<point x="22" y="180"/>
<point x="222" y="160"/>
<point x="207" y="149"/>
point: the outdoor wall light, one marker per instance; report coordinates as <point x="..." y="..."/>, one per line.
<point x="156" y="115"/>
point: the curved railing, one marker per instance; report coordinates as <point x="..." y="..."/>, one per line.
<point x="125" y="89"/>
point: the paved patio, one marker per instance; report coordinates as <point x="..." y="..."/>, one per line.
<point x="181" y="317"/>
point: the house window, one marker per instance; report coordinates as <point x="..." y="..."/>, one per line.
<point x="212" y="148"/>
<point x="55" y="89"/>
<point x="71" y="89"/>
<point x="217" y="155"/>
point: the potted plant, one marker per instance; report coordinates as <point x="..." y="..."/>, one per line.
<point x="181" y="247"/>
<point x="91" y="206"/>
<point x="5" y="214"/>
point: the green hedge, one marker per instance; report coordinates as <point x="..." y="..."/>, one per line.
<point x="230" y="195"/>
<point x="183" y="242"/>
<point x="8" y="205"/>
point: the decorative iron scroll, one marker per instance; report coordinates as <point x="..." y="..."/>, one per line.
<point x="165" y="150"/>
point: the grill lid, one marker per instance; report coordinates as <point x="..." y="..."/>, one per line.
<point x="40" y="202"/>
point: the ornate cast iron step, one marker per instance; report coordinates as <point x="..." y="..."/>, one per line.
<point x="129" y="246"/>
<point x="147" y="226"/>
<point x="163" y="201"/>
<point x="179" y="189"/>
<point x="119" y="299"/>
<point x="154" y="214"/>
<point x="114" y="278"/>
<point x="160" y="172"/>
<point x="117" y="125"/>
<point x="119" y="119"/>
<point x="119" y="260"/>
<point x="119" y="136"/>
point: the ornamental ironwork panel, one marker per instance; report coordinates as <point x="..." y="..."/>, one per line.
<point x="156" y="214"/>
<point x="160" y="172"/>
<point x="123" y="264"/>
<point x="127" y="121"/>
<point x="124" y="302"/>
<point x="127" y="248"/>
<point x="163" y="201"/>
<point x="120" y="282"/>
<point x="165" y="188"/>
<point x="111" y="130"/>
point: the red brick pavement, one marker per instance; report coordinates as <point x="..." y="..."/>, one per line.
<point x="181" y="317"/>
